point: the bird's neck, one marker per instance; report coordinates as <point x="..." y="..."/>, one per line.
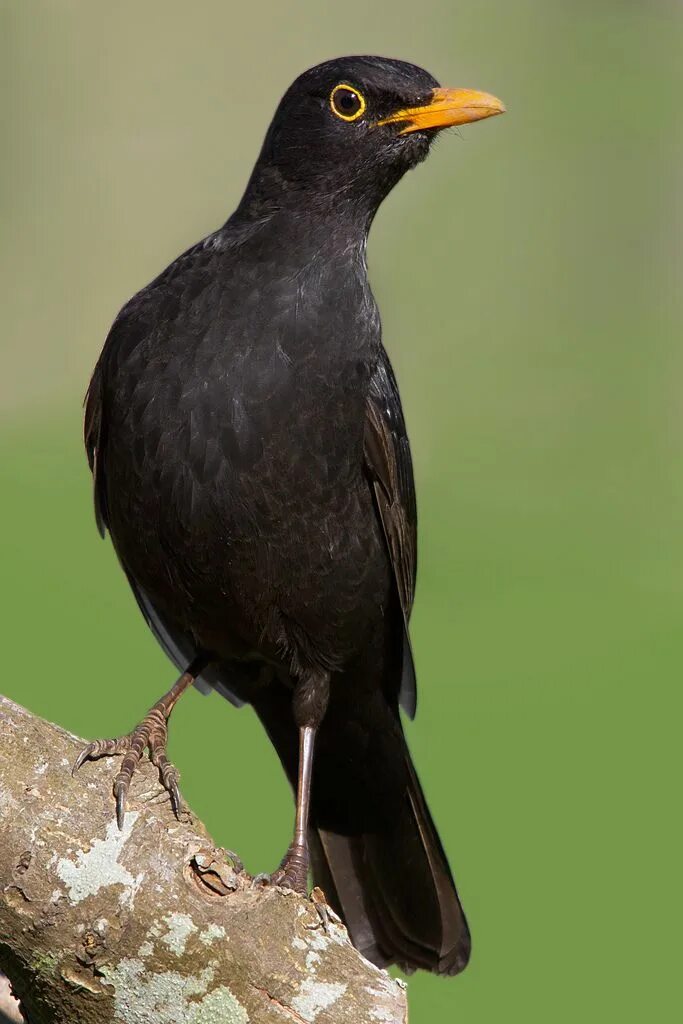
<point x="299" y="241"/>
<point x="310" y="208"/>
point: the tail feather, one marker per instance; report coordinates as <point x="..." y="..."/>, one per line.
<point x="375" y="850"/>
<point x="395" y="891"/>
<point x="334" y="858"/>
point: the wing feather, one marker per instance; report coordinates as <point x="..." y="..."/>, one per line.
<point x="389" y="465"/>
<point x="175" y="643"/>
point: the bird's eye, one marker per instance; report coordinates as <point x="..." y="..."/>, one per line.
<point x="347" y="102"/>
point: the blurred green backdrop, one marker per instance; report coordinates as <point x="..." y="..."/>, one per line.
<point x="528" y="277"/>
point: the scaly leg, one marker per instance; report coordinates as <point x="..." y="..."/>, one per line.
<point x="152" y="732"/>
<point x="293" y="871"/>
<point x="309" y="704"/>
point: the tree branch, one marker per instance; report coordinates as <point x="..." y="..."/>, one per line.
<point x="153" y="923"/>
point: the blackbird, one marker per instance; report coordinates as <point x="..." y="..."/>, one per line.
<point x="251" y="464"/>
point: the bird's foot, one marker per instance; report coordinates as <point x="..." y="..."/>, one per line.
<point x="152" y="732"/>
<point x="319" y="901"/>
<point x="292" y="872"/>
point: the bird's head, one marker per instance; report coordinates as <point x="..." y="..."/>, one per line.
<point x="347" y="130"/>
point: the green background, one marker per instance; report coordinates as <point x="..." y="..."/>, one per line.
<point x="529" y="280"/>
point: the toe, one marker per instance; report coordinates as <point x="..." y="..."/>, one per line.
<point x="101" y="748"/>
<point x="168" y="774"/>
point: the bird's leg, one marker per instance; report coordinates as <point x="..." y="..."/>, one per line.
<point x="293" y="870"/>
<point x="309" y="704"/>
<point x="152" y="732"/>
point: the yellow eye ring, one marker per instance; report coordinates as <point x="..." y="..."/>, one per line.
<point x="346" y="102"/>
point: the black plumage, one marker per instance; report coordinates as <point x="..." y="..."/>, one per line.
<point x="251" y="464"/>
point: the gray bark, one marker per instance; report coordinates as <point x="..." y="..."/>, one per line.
<point x="153" y="923"/>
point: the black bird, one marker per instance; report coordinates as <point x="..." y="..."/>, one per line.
<point x="251" y="464"/>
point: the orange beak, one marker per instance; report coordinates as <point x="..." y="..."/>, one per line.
<point x="446" y="108"/>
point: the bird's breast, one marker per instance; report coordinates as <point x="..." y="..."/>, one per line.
<point x="235" y="448"/>
<point x="245" y="415"/>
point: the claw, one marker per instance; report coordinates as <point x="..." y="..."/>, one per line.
<point x="120" y="792"/>
<point x="82" y="758"/>
<point x="176" y="803"/>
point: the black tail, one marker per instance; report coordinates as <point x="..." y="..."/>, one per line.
<point x="375" y="849"/>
